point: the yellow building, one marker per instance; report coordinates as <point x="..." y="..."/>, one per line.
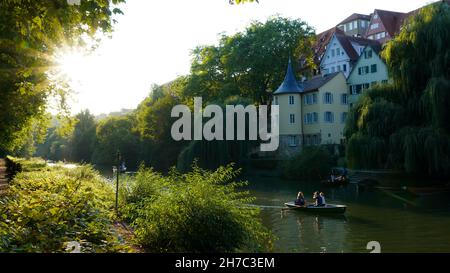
<point x="311" y="112"/>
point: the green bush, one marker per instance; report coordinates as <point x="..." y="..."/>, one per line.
<point x="47" y="208"/>
<point x="313" y="163"/>
<point x="200" y="211"/>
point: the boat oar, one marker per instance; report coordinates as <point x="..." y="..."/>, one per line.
<point x="393" y="195"/>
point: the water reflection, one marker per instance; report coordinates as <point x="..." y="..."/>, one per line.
<point x="399" y="221"/>
<point x="313" y="233"/>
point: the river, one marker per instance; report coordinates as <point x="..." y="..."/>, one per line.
<point x="399" y="221"/>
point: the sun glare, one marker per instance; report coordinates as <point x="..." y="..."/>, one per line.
<point x="73" y="65"/>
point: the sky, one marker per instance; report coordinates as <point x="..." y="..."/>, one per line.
<point x="152" y="42"/>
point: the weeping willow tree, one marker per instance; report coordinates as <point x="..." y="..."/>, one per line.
<point x="406" y="124"/>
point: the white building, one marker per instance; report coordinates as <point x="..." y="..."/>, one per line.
<point x="342" y="52"/>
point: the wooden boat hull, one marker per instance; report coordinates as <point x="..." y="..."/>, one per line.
<point x="329" y="208"/>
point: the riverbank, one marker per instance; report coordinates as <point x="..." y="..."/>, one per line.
<point x="59" y="209"/>
<point x="70" y="208"/>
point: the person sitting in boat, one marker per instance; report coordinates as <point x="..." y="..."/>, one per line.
<point x="322" y="196"/>
<point x="300" y="201"/>
<point x="319" y="201"/>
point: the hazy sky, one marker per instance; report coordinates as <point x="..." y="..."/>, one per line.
<point x="153" y="40"/>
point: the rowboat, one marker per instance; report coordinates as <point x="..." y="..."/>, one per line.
<point x="329" y="208"/>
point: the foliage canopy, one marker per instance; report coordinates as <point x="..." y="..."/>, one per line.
<point x="406" y="124"/>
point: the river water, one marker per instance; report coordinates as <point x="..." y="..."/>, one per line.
<point x="399" y="221"/>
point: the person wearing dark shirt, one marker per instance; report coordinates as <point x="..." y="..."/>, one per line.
<point x="318" y="199"/>
<point x="300" y="201"/>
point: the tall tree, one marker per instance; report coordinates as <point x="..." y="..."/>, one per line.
<point x="250" y="63"/>
<point x="154" y="123"/>
<point x="117" y="134"/>
<point x="83" y="138"/>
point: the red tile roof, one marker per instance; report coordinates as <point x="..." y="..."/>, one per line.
<point x="322" y="40"/>
<point x="355" y="16"/>
<point x="391" y="20"/>
<point x="346" y="42"/>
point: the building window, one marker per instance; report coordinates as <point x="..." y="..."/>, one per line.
<point x="374" y="26"/>
<point x="344" y="117"/>
<point x="370" y="37"/>
<point x="291" y="100"/>
<point x="373" y="84"/>
<point x="328" y="117"/>
<point x="308" y="140"/>
<point x="333" y="69"/>
<point x="292" y="118"/>
<point x="338" y="51"/>
<point x="365" y="23"/>
<point x="384" y="81"/>
<point x="356" y="89"/>
<point x="380" y="35"/>
<point x="355" y="24"/>
<point x="368" y="54"/>
<point x="309" y="118"/>
<point x="373" y="68"/>
<point x="366" y="86"/>
<point x="309" y="99"/>
<point x="333" y="53"/>
<point x="328" y="98"/>
<point x="338" y="68"/>
<point x="315" y="140"/>
<point x="363" y="70"/>
<point x="293" y="141"/>
<point x="344" y="99"/>
<point x="344" y="67"/>
<point x="375" y="16"/>
<point x="314" y="96"/>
